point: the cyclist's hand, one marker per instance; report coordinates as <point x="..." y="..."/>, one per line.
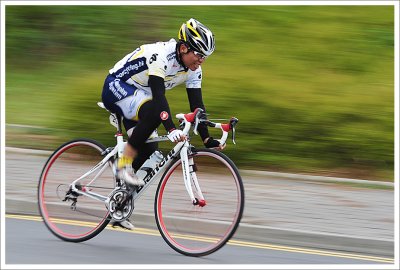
<point x="176" y="135"/>
<point x="211" y="143"/>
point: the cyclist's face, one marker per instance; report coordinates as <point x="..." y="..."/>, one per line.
<point x="191" y="59"/>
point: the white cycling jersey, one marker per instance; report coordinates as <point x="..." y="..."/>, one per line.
<point x="157" y="59"/>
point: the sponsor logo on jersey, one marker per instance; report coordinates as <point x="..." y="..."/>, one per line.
<point x="153" y="58"/>
<point x="132" y="67"/>
<point x="118" y="91"/>
<point x="164" y="115"/>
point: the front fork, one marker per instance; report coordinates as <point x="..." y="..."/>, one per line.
<point x="189" y="176"/>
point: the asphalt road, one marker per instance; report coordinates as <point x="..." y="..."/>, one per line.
<point x="29" y="242"/>
<point x="286" y="221"/>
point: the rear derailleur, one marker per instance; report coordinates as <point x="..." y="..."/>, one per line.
<point x="72" y="196"/>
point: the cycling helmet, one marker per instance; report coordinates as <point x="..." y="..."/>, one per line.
<point x="197" y="36"/>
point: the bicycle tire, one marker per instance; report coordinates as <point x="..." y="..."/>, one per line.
<point x="193" y="230"/>
<point x="92" y="217"/>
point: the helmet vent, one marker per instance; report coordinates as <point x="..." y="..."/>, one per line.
<point x="206" y="39"/>
<point x="202" y="46"/>
<point x="192" y="32"/>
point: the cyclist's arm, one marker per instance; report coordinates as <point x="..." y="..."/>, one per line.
<point x="160" y="102"/>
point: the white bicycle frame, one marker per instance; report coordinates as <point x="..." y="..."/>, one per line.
<point x="181" y="148"/>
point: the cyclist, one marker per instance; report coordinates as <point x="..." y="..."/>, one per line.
<point x="135" y="89"/>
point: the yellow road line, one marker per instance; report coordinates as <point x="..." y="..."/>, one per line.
<point x="206" y="239"/>
<point x="311" y="251"/>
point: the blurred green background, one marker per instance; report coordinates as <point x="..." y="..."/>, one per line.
<point x="313" y="86"/>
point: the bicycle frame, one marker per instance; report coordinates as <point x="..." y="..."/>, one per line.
<point x="181" y="148"/>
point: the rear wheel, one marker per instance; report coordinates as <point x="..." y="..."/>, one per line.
<point x="68" y="215"/>
<point x="198" y="230"/>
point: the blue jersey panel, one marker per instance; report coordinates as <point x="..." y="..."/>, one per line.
<point x="131" y="68"/>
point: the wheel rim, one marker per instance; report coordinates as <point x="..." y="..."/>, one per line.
<point x="196" y="230"/>
<point x="67" y="164"/>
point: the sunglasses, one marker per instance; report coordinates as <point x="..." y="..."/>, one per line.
<point x="200" y="55"/>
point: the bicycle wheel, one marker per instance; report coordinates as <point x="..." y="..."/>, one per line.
<point x="196" y="230"/>
<point x="87" y="217"/>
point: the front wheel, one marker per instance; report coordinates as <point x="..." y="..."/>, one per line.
<point x="201" y="229"/>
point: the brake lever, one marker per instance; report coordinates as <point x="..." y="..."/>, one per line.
<point x="232" y="125"/>
<point x="181" y="124"/>
<point x="200" y="115"/>
<point x="196" y="123"/>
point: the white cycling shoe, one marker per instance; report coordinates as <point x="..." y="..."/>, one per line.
<point x="123" y="224"/>
<point x="126" y="174"/>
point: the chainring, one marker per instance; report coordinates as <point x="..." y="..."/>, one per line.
<point x="120" y="204"/>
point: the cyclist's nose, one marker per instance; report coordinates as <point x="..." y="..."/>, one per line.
<point x="200" y="60"/>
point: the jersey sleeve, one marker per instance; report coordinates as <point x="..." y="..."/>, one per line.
<point x="157" y="64"/>
<point x="194" y="78"/>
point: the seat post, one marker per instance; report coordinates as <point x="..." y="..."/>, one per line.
<point x="119" y="121"/>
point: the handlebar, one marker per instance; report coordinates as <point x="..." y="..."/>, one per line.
<point x="199" y="116"/>
<point x="196" y="117"/>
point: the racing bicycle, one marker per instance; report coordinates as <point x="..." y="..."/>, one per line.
<point x="198" y="203"/>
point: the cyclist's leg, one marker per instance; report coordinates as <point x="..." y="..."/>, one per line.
<point x="124" y="99"/>
<point x="144" y="150"/>
<point x="148" y="122"/>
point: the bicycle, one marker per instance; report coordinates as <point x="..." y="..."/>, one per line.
<point x="79" y="193"/>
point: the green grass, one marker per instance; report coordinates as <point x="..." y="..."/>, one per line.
<point x="313" y="86"/>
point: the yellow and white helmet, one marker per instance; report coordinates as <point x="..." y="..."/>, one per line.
<point x="197" y="36"/>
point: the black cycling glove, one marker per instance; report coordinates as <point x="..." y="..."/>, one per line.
<point x="211" y="143"/>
